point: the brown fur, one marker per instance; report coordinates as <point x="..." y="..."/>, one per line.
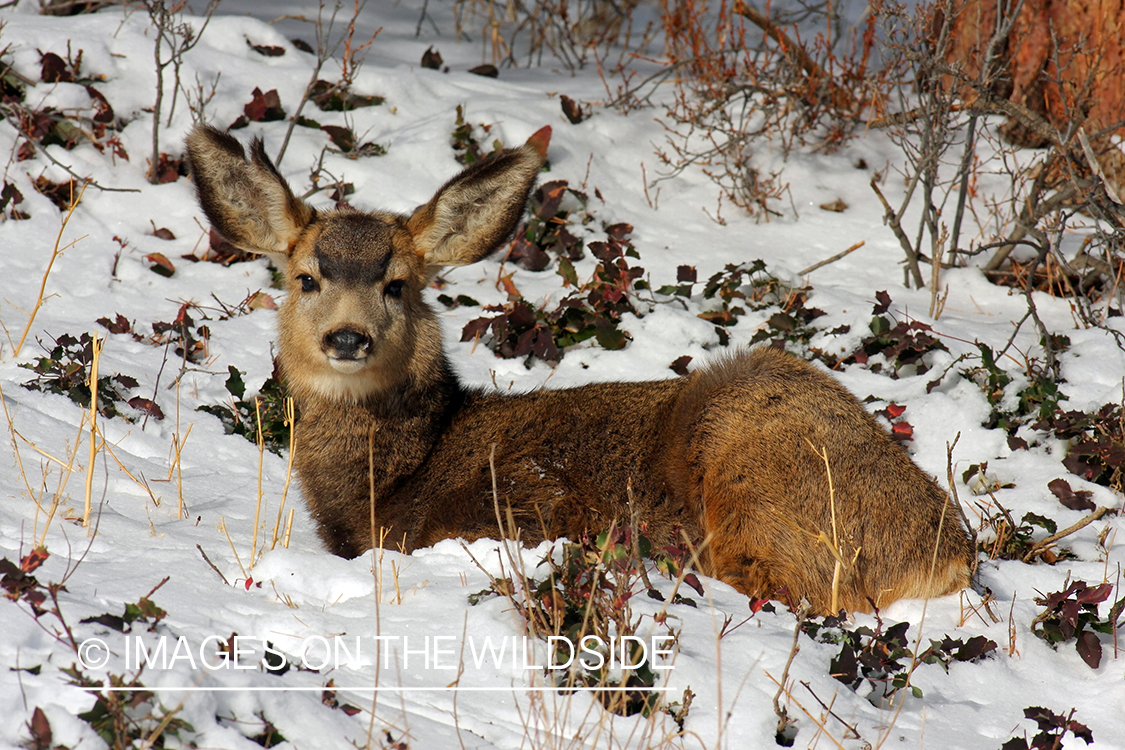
<point x="729" y="454"/>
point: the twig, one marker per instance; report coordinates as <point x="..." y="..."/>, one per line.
<point x="261" y="461"/>
<point x="828" y="709"/>
<point x="85" y="180"/>
<point x="208" y="561"/>
<point x="833" y="259"/>
<point x="957" y="501"/>
<point x="1044" y="543"/>
<point x="237" y="559"/>
<point x="820" y="723"/>
<point x="796" y="53"/>
<point x="891" y="219"/>
<point x="783" y="720"/>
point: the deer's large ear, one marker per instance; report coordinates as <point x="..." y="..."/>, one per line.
<point x="248" y="201"/>
<point x="478" y="209"/>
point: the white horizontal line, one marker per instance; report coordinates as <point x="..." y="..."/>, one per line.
<point x="390" y="688"/>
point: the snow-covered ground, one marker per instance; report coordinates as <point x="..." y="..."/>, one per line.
<point x="295" y="596"/>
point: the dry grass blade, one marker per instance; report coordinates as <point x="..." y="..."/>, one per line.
<point x="237" y="559"/>
<point x="95" y="356"/>
<point x="55" y="253"/>
<point x="291" y="421"/>
<point x="261" y="461"/>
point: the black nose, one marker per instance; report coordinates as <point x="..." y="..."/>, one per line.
<point x="346" y="343"/>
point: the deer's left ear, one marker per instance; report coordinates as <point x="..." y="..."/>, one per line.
<point x="478" y="209"/>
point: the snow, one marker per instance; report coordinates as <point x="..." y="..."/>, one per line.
<point x="302" y="593"/>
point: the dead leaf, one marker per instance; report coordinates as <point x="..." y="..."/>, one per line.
<point x="431" y="59"/>
<point x="262" y="301"/>
<point x="160" y="264"/>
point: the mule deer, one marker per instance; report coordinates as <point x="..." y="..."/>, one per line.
<point x="736" y="455"/>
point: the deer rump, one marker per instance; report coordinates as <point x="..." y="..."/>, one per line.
<point x="770" y="468"/>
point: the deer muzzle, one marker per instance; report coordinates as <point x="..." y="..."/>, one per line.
<point x="346" y="349"/>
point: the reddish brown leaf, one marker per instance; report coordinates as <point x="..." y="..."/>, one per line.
<point x="431" y="59"/>
<point x="528" y="255"/>
<point x="54" y="69"/>
<point x="163" y="233"/>
<point x="894" y="411"/>
<point x="509" y="287"/>
<point x="487" y="70"/>
<point x="343" y="138"/>
<point x="32" y="560"/>
<point x="10" y="196"/>
<point x="883" y="301"/>
<point x="1089" y="648"/>
<point x="619" y="232"/>
<point x="1079" y="500"/>
<point x="903" y="431"/>
<point x="691" y="579"/>
<point x="105" y="112"/>
<point x="119" y="325"/>
<point x="268" y="50"/>
<point x="573" y="110"/>
<point x="60" y="193"/>
<point x="160" y="264"/>
<point x="679" y="365"/>
<point x="168" y="169"/>
<point x="1094" y="594"/>
<point x="264" y="107"/>
<point x="146" y="406"/>
<point x="40" y="730"/>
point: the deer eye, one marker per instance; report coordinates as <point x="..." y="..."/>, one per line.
<point x="394" y="288"/>
<point x="308" y="283"/>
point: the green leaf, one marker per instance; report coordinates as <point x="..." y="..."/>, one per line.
<point x="566" y="270"/>
<point x="1042" y="522"/>
<point x="235" y="386"/>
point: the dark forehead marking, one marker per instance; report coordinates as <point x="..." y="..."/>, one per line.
<point x="354" y="248"/>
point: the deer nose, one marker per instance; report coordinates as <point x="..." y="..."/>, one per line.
<point x="346" y="343"/>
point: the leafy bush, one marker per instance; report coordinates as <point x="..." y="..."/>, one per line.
<point x="1072" y="614"/>
<point x="902" y="343"/>
<point x="262" y="414"/>
<point x="882" y="658"/>
<point x="545" y="230"/>
<point x="593" y="310"/>
<point x="1052" y="728"/>
<point x="65" y="369"/>
<point x="1097" y="443"/>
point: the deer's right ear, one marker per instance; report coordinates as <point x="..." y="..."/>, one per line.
<point x="248" y="201"/>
